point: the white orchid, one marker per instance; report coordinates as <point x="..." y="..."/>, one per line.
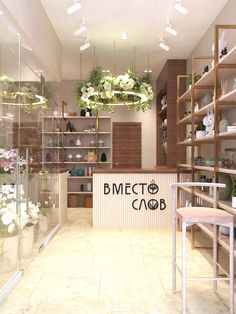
<point x="107" y="86"/>
<point x="7" y="217"/>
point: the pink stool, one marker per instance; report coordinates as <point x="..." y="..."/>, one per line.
<point x="194" y="215"/>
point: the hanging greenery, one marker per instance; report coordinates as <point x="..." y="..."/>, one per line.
<point x="103" y="93"/>
<point x="12" y="92"/>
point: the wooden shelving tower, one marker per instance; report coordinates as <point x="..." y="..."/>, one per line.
<point x="59" y="153"/>
<point x="224" y="68"/>
<point x="166" y="85"/>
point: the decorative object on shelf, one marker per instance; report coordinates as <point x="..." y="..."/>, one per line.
<point x="48" y="157"/>
<point x="209" y="162"/>
<point x="198" y="161"/>
<point x="78" y="157"/>
<point x="189" y="79"/>
<point x="81" y="188"/>
<point x="206" y="69"/>
<point x="103" y="157"/>
<point x="83" y="112"/>
<point x="87" y="114"/>
<point x="208" y="98"/>
<point x="27" y="96"/>
<point x="72" y="142"/>
<point x="89" y="186"/>
<point x="56" y="113"/>
<point x="91" y="157"/>
<point x="196" y="107"/>
<point x="230" y="158"/>
<point x="224" y="84"/>
<point x="80" y="172"/>
<point x="208" y="122"/>
<point x="164" y="102"/>
<point x="224" y="123"/>
<point x="68" y="127"/>
<point x="220" y="160"/>
<point x="92" y="143"/>
<point x="224" y="52"/>
<point x="200" y="130"/>
<point x="100" y="143"/>
<point x="224" y="230"/>
<point x="104" y="93"/>
<point x="73" y="114"/>
<point x="78" y="141"/>
<point x="70" y="157"/>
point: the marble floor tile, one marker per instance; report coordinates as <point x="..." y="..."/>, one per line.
<point x="97" y="271"/>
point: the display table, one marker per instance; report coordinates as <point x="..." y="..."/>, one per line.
<point x="132" y="198"/>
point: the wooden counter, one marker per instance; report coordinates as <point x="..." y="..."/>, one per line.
<point x="138" y="170"/>
<point x="133" y="198"/>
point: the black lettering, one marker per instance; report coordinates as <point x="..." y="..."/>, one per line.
<point x="106" y="188"/>
<point x="162" y="204"/>
<point x="133" y="190"/>
<point x="140" y="205"/>
<point x="118" y="190"/>
<point x="142" y="185"/>
<point x="133" y="203"/>
<point x="127" y="186"/>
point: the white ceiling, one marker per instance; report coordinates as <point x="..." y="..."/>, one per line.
<point x="143" y="20"/>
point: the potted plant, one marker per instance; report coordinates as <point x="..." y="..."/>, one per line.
<point x="198" y="161"/>
<point x="200" y="130"/>
<point x="189" y="79"/>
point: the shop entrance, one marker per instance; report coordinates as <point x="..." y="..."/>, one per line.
<point x="126" y="145"/>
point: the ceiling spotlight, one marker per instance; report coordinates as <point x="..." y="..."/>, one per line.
<point x="26" y="47"/>
<point x="80" y="30"/>
<point x="124" y="35"/>
<point x="85" y="46"/>
<point x="147" y="71"/>
<point x="163" y="45"/>
<point x="105" y="71"/>
<point x="169" y="29"/>
<point x="1" y="13"/>
<point x="178" y="7"/>
<point x="75" y="7"/>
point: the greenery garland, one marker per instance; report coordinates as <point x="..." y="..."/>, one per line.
<point x="28" y="95"/>
<point x="102" y="93"/>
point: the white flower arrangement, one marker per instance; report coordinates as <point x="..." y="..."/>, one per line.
<point x="11" y="221"/>
<point x="103" y="93"/>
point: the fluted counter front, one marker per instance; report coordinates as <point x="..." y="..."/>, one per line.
<point x="132" y="198"/>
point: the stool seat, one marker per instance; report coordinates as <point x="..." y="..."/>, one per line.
<point x="204" y="215"/>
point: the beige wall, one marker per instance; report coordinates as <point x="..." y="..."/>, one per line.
<point x="121" y="114"/>
<point x="33" y="24"/>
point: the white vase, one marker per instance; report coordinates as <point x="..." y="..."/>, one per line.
<point x="9" y="254"/>
<point x="224" y="123"/>
<point x="27" y="242"/>
<point x="200" y="134"/>
<point x="234" y="201"/>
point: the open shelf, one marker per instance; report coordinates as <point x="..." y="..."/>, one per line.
<point x="80" y="192"/>
<point x="229" y="171"/>
<point x="80" y="177"/>
<point x="230" y="96"/>
<point x="228" y="135"/>
<point x="203" y="168"/>
<point x="205" y="139"/>
<point x="186" y="142"/>
<point x="223" y="240"/>
<point x="164" y="110"/>
<point x="184" y="165"/>
<point x="207" y="79"/>
<point x="185" y="120"/>
<point x="204" y="110"/>
<point x="227" y="205"/>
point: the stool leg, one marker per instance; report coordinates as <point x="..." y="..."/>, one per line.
<point x="231" y="269"/>
<point x="174" y="222"/>
<point x="215" y="257"/>
<point x="183" y="267"/>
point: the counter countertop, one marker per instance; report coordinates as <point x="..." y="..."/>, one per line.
<point x="137" y="170"/>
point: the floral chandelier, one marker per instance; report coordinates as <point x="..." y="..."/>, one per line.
<point x="104" y="93"/>
<point x="27" y="96"/>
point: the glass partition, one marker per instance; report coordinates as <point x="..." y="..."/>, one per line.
<point x="29" y="185"/>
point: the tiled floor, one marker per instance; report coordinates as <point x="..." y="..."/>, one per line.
<point x="87" y="271"/>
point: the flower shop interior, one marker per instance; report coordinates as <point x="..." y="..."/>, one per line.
<point x="105" y="122"/>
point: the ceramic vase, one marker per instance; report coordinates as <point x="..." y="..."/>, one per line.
<point x="27" y="242"/>
<point x="223" y="125"/>
<point x="9" y="254"/>
<point x="200" y="134"/>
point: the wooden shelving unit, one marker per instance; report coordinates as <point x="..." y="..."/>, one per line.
<point x="224" y="68"/>
<point x="166" y="85"/>
<point x="62" y="143"/>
